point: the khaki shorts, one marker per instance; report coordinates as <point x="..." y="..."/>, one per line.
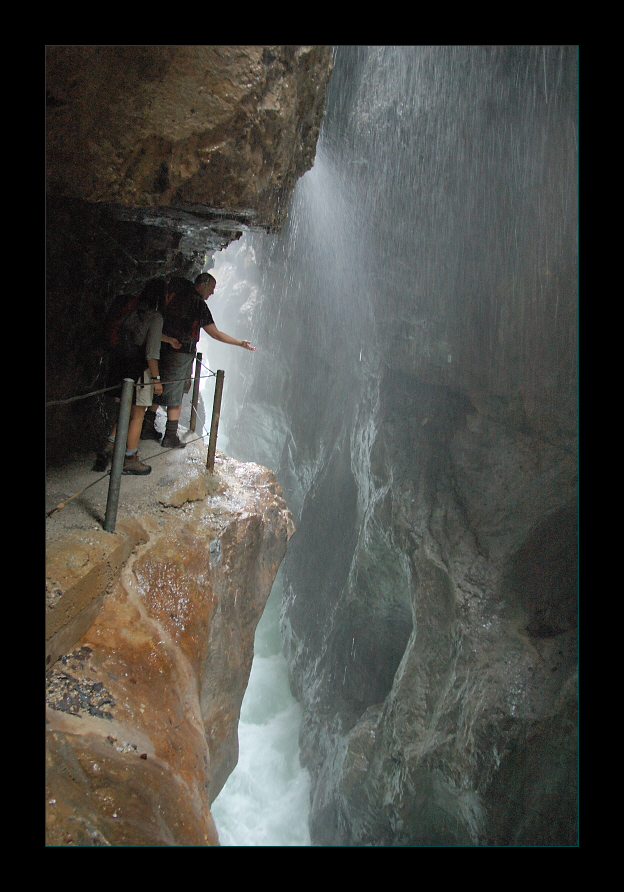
<point x="145" y="391"/>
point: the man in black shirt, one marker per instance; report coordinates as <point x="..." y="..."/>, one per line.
<point x="185" y="315"/>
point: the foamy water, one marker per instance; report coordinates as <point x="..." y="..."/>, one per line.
<point x="265" y="801"/>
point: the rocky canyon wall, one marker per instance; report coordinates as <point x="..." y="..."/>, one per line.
<point x="144" y="701"/>
<point x="414" y="391"/>
<point x="157" y="157"/>
<point x="416" y="394"/>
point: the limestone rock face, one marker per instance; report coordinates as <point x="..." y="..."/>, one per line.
<point x="228" y="128"/>
<point x="440" y="684"/>
<point x="143" y="709"/>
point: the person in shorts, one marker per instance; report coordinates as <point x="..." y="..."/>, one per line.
<point x="136" y="356"/>
<point x="185" y="315"/>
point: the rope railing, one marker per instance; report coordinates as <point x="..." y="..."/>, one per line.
<point x="84" y="396"/>
<point x="151" y="457"/>
<point x="115" y="473"/>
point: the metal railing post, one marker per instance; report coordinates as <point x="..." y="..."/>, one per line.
<point x="195" y="399"/>
<point x="214" y="425"/>
<point x="119" y="454"/>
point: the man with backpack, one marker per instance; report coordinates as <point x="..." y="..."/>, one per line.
<point x="185" y="315"/>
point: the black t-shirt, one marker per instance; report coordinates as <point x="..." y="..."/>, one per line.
<point x="185" y="317"/>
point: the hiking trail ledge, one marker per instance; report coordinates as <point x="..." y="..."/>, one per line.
<point x="150" y="645"/>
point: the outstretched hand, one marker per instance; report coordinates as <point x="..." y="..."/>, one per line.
<point x="247" y="345"/>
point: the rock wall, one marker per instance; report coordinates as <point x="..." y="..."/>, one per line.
<point x="143" y="703"/>
<point x="430" y="606"/>
<point x="156" y="158"/>
<point x="226" y="129"/>
<point x="415" y="392"/>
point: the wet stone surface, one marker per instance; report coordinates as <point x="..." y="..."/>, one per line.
<point x="131" y="749"/>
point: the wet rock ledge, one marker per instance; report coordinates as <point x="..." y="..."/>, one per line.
<point x="158" y="623"/>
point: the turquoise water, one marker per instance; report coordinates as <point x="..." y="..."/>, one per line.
<point x="265" y="801"/>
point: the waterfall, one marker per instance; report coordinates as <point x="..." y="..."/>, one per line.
<point x="426" y="274"/>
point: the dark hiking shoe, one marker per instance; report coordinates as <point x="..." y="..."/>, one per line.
<point x="103" y="457"/>
<point x="132" y="465"/>
<point x="101" y="462"/>
<point x="152" y="434"/>
<point x="148" y="430"/>
<point x="172" y="441"/>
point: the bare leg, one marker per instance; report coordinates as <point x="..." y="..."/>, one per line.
<point x="134" y="428"/>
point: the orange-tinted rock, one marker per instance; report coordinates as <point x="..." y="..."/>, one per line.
<point x="143" y="713"/>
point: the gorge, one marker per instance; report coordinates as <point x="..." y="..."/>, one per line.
<point x="414" y="304"/>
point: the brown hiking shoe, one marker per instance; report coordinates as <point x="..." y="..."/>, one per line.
<point x="132" y="465"/>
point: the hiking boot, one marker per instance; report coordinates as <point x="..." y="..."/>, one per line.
<point x="148" y="430"/>
<point x="104" y="456"/>
<point x="132" y="465"/>
<point x="171" y="439"/>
